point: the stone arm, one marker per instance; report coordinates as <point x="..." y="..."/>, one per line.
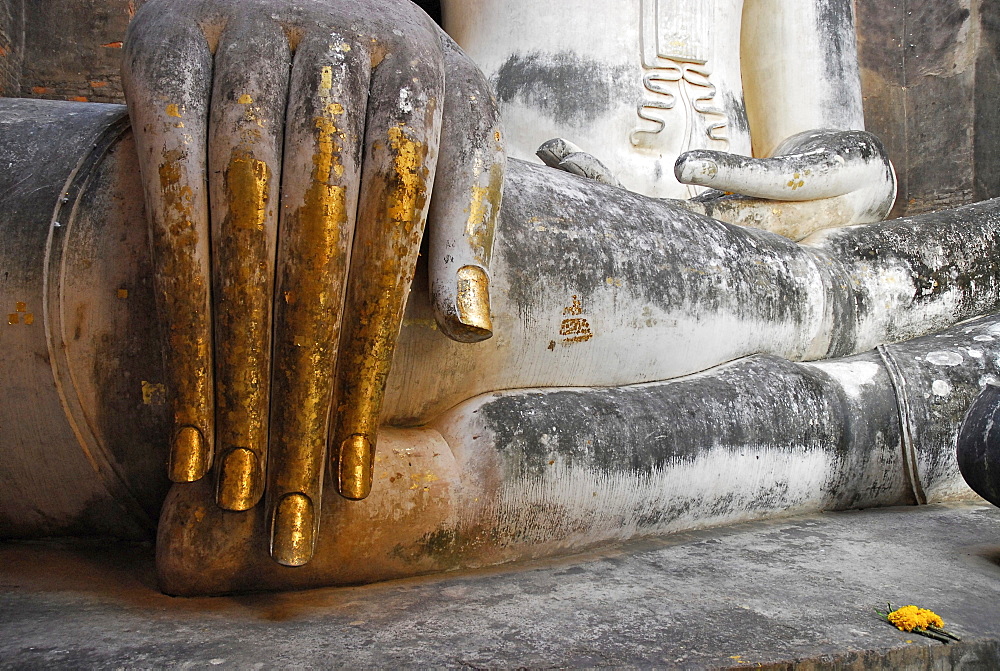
<point x="288" y="153"/>
<point x="802" y="90"/>
<point x="619" y="288"/>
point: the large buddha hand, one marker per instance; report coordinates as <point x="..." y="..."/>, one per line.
<point x="288" y="152"/>
<point x="816" y="179"/>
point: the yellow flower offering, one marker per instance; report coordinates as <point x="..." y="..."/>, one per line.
<point x="909" y="618"/>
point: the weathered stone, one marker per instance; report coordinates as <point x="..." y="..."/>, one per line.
<point x="930" y="79"/>
<point x="979" y="444"/>
<point x="707" y="292"/>
<point x="791" y="594"/>
<point x="929" y="72"/>
<point x="11" y="46"/>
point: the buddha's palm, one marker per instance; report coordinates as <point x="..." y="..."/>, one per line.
<point x="288" y="153"/>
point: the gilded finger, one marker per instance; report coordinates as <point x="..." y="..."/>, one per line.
<point x="319" y="196"/>
<point x="464" y="208"/>
<point x="245" y="159"/>
<point x="401" y="145"/>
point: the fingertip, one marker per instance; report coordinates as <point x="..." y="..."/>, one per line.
<point x="293" y="530"/>
<point x="240" y="480"/>
<point x="189" y="455"/>
<point x="472" y="321"/>
<point x="696" y="168"/>
<point x="354" y="467"/>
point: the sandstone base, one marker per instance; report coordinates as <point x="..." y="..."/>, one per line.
<point x="775" y="593"/>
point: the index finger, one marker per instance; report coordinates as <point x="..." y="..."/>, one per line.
<point x="401" y="141"/>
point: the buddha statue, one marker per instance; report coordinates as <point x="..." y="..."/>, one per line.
<point x="579" y="355"/>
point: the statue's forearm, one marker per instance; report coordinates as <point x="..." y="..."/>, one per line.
<point x="908" y="277"/>
<point x="597" y="287"/>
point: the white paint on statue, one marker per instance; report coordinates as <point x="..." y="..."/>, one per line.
<point x="941" y="388"/>
<point x="942" y="358"/>
<point x="853" y="376"/>
<point x="600" y="505"/>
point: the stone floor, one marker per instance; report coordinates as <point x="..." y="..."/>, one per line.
<point x="762" y="594"/>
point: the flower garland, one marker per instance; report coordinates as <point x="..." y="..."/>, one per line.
<point x="919" y="621"/>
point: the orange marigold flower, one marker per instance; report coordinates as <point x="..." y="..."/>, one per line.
<point x="909" y="618"/>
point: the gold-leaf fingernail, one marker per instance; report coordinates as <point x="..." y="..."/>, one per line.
<point x="240" y="479"/>
<point x="355" y="467"/>
<point x="474" y="301"/>
<point x="189" y="457"/>
<point x="293" y="530"/>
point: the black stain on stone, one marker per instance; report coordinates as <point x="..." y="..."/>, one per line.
<point x="736" y="111"/>
<point x="972" y="279"/>
<point x="835" y="19"/>
<point x="564" y="85"/>
<point x="940" y="415"/>
<point x="836" y="24"/>
<point x="762" y="401"/>
<point x="675" y="259"/>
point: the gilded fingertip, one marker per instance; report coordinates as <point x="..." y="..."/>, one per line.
<point x="189" y="457"/>
<point x="240" y="480"/>
<point x="354" y="467"/>
<point x="473" y="302"/>
<point x="293" y="530"/>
